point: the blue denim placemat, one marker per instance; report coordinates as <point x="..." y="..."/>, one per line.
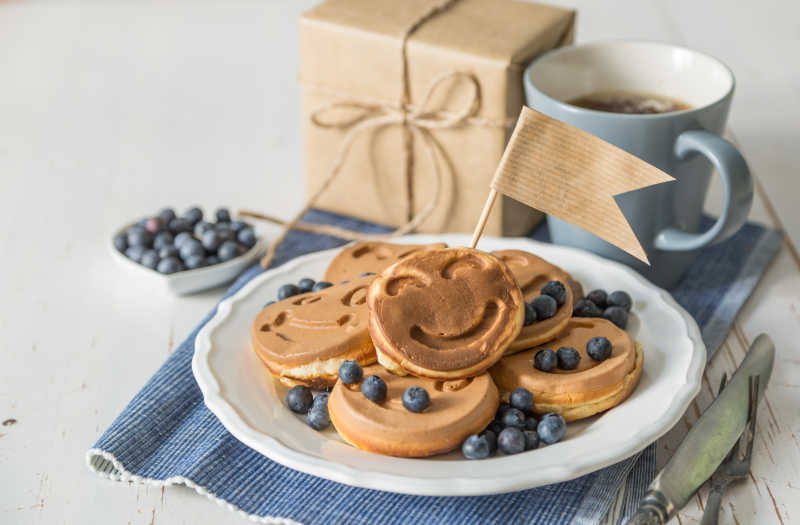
<point x="166" y="435"/>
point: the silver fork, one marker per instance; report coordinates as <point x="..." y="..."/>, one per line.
<point x="736" y="464"/>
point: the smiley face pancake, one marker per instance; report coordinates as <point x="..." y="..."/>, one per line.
<point x="531" y="273"/>
<point x="591" y="387"/>
<point x="304" y="339"/>
<point x="373" y="257"/>
<point x="444" y="314"/>
<point x="457" y="409"/>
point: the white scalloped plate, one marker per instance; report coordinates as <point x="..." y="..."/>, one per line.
<point x="238" y="390"/>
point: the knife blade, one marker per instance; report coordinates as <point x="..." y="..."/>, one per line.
<point x="709" y="440"/>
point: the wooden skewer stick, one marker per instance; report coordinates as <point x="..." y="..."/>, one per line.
<point x="487" y="209"/>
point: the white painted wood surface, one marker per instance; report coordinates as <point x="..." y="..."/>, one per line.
<point x="109" y="111"/>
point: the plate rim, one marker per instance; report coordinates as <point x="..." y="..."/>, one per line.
<point x="399" y="483"/>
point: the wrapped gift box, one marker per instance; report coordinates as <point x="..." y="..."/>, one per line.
<point x="354" y="102"/>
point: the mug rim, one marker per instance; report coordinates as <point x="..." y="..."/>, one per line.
<point x="529" y="84"/>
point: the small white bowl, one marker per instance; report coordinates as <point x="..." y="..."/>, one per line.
<point x="191" y="281"/>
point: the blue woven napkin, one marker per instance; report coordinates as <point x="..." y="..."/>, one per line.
<point x="166" y="435"/>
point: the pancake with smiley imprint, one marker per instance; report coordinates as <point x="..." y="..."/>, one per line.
<point x="457" y="409"/>
<point x="531" y="273"/>
<point x="304" y="339"/>
<point x="444" y="314"/>
<point x="590" y="386"/>
<point x="370" y="257"/>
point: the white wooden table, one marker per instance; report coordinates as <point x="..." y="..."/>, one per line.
<point x="109" y="111"/>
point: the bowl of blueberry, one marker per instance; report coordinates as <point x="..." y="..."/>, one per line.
<point x="189" y="252"/>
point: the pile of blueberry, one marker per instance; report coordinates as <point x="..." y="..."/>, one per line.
<point x="305" y="285"/>
<point x="302" y="401"/>
<point x="415" y="398"/>
<point x="545" y="305"/>
<point x="568" y="358"/>
<point x="614" y="306"/>
<point x="515" y="429"/>
<point x="168" y="243"/>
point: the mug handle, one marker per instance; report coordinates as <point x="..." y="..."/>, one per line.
<point x="736" y="182"/>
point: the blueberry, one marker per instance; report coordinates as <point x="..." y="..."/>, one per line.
<point x="556" y="290"/>
<point x="521" y="399"/>
<point x="138" y="236"/>
<point x="598" y="348"/>
<point x="299" y="399"/>
<point x="268" y="303"/>
<point x="531" y="439"/>
<point x="321" y="400"/>
<point x="568" y="358"/>
<point x="318" y="417"/>
<point x="374" y="389"/>
<point x="169" y="265"/>
<point x="545" y="360"/>
<point x="598" y="297"/>
<point x="286" y="291"/>
<point x="212" y="260"/>
<point x="491" y="438"/>
<point x="228" y="250"/>
<point x="211" y="240"/>
<point x="475" y="447"/>
<point x="545" y="307"/>
<point x="620" y="298"/>
<point x="162" y="239"/>
<point x="586" y="308"/>
<point x="201" y="227"/>
<point x="154" y="225"/>
<point x="305" y="284"/>
<point x="223" y="215"/>
<point x="495" y="426"/>
<point x="531" y="423"/>
<point x="167" y="251"/>
<point x="180" y="225"/>
<point x="193" y="215"/>
<point x="530" y="315"/>
<point x="191" y="248"/>
<point x="416" y="399"/>
<point x="350" y="372"/>
<point x="501" y="410"/>
<point x="134" y="253"/>
<point x="121" y="242"/>
<point x="321" y="285"/>
<point x="195" y="261"/>
<point x="149" y="259"/>
<point x="166" y="215"/>
<point x="238" y="226"/>
<point x="617" y="315"/>
<point x="181" y="238"/>
<point x="511" y="440"/>
<point x="514" y="418"/>
<point x="246" y="236"/>
<point x="367" y="274"/>
<point x="552" y="428"/>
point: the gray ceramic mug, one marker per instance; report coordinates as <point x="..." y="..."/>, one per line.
<point x="686" y="144"/>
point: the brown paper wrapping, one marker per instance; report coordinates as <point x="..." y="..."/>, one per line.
<point x="351" y="50"/>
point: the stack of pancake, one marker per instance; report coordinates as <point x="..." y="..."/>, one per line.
<point x="450" y="320"/>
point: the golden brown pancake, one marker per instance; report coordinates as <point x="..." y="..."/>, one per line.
<point x="457" y="409"/>
<point x="445" y="314"/>
<point x="373" y="257"/>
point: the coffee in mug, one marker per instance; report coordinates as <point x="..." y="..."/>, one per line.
<point x="619" y="101"/>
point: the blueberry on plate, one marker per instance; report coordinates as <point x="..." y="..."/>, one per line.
<point x="201" y="227"/>
<point x="617" y="315"/>
<point x="521" y="399"/>
<point x="545" y="360"/>
<point x="556" y="290"/>
<point x="154" y="225"/>
<point x="531" y="423"/>
<point x="194" y="262"/>
<point x="318" y="417"/>
<point x="545" y="307"/>
<point x="598" y="348"/>
<point x="149" y="259"/>
<point x="586" y="308"/>
<point x="223" y="215"/>
<point x="374" y="389"/>
<point x="162" y="239"/>
<point x="513" y="417"/>
<point x="299" y="399"/>
<point x="530" y="315"/>
<point x="138" y="236"/>
<point x="166" y="215"/>
<point x="306" y="284"/>
<point x="211" y="240"/>
<point x="598" y="297"/>
<point x="287" y="290"/>
<point x="531" y="439"/>
<point x="491" y="438"/>
<point x="181" y="238"/>
<point x="180" y="225"/>
<point x="321" y="285"/>
<point x="135" y="253"/>
<point x="193" y="215"/>
<point x="475" y="447"/>
<point x="621" y="299"/>
<point x="191" y="248"/>
<point x="552" y="428"/>
<point x="121" y="242"/>
<point x="350" y="372"/>
<point x="568" y="358"/>
<point x="321" y="400"/>
<point x="167" y="251"/>
<point x="416" y="399"/>
<point x="228" y="250"/>
<point x="246" y="236"/>
<point x="511" y="440"/>
<point x="169" y="265"/>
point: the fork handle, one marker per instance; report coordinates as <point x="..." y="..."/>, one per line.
<point x="713" y="504"/>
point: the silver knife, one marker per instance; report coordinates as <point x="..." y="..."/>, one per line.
<point x="709" y="440"/>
